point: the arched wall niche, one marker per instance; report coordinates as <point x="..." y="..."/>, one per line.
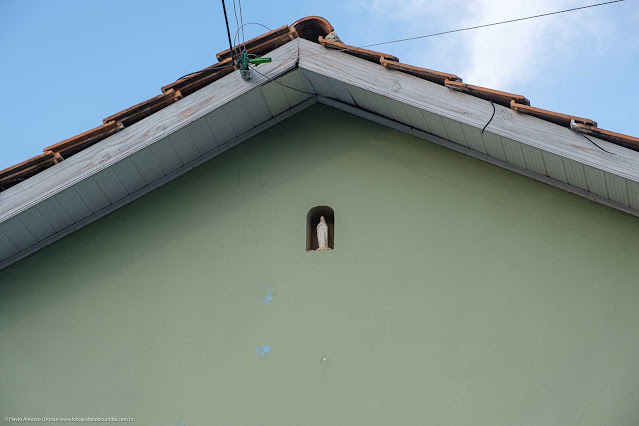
<point x="312" y="220"/>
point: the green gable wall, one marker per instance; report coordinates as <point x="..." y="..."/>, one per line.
<point x="458" y="293"/>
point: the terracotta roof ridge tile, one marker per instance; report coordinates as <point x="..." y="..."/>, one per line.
<point x="26" y="163"/>
<point x="144" y="109"/>
<point x="553" y="117"/>
<point x="311" y="27"/>
<point x="369" y="55"/>
<point x="496" y="96"/>
<point x="199" y="79"/>
<point x="264" y="43"/>
<point x="616" y="138"/>
<point x="17" y="173"/>
<point x="72" y="145"/>
<point x="211" y="72"/>
<point x="424" y="73"/>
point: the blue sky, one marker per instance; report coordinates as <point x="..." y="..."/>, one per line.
<point x="66" y="64"/>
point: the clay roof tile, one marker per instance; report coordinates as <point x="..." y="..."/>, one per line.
<point x="496" y="96"/>
<point x="22" y="171"/>
<point x="312" y="27"/>
<point x="199" y="79"/>
<point x="73" y="145"/>
<point x="144" y="109"/>
<point x="616" y="138"/>
<point x="554" y="117"/>
<point x="264" y="43"/>
<point x="369" y="55"/>
<point x="426" y="74"/>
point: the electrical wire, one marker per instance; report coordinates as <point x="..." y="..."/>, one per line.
<point x="248" y="23"/>
<point x="491" y="117"/>
<point x="282" y="84"/>
<point x="242" y="22"/>
<point x="231" y="50"/>
<point x="237" y="24"/>
<point x="497" y="23"/>
<point x="228" y="31"/>
<point x="593" y="142"/>
<point x="205" y="71"/>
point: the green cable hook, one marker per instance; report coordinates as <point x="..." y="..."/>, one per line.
<point x="245" y="59"/>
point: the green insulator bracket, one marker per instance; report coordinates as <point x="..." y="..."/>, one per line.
<point x="257" y="61"/>
<point x="245" y="59"/>
<point x="242" y="60"/>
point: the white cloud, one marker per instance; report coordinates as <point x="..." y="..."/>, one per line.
<point x="502" y="57"/>
<point x="512" y="54"/>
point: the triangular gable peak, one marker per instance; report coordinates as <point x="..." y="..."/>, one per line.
<point x="185" y="132"/>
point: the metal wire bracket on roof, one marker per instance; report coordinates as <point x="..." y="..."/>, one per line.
<point x="248" y="58"/>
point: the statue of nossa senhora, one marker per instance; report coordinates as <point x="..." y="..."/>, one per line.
<point x="322" y="235"/>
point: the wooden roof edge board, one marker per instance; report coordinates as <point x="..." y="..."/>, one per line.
<point x="369" y="55"/>
<point x="430" y="75"/>
<point x="553" y="117"/>
<point x="497" y="96"/>
<point x="131" y="139"/>
<point x="629" y="142"/>
<point x="468" y="109"/>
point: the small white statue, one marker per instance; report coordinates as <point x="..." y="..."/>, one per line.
<point x="322" y="235"/>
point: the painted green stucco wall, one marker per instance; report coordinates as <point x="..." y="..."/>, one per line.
<point x="458" y="294"/>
